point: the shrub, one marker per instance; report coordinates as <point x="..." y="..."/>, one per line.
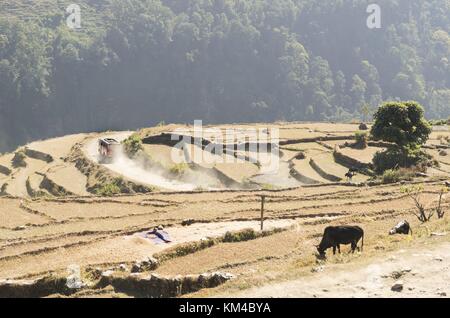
<point x="18" y="161"/>
<point x="268" y="186"/>
<point x="110" y="189"/>
<point x="193" y="247"/>
<point x="244" y="235"/>
<point x="178" y="169"/>
<point x="361" y="140"/>
<point x="390" y="176"/>
<point x="300" y="156"/>
<point x="439" y="209"/>
<point x="439" y="122"/>
<point x="132" y="145"/>
<point x="396" y="175"/>
<point x="394" y="158"/>
<point x="186" y="249"/>
<point x="363" y="126"/>
<point x="414" y="192"/>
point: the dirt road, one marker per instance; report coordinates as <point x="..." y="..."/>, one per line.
<point x="132" y="170"/>
<point x="416" y="273"/>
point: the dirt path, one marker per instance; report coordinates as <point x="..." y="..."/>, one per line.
<point x="422" y="272"/>
<point x="132" y="170"/>
<point x="117" y="249"/>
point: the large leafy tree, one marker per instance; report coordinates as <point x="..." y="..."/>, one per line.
<point x="402" y="123"/>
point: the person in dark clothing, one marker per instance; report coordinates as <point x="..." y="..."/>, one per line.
<point x="160" y="233"/>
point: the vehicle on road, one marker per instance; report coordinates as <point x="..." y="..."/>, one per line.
<point x="107" y="147"/>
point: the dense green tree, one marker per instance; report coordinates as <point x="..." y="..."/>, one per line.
<point x="138" y="62"/>
<point x="402" y="123"/>
<point x="358" y="92"/>
<point x="24" y="74"/>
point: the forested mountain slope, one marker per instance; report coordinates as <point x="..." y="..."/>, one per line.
<point x="135" y="63"/>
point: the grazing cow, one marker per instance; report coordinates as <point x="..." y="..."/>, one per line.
<point x="333" y="236"/>
<point x="401" y="228"/>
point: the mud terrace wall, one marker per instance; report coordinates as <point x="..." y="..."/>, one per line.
<point x="38" y="155"/>
<point x="298" y="176"/>
<point x="155" y="286"/>
<point x="349" y="162"/>
<point x="33" y="288"/>
<point x="322" y="173"/>
<point x="4" y="170"/>
<point x="173" y="139"/>
<point x="18" y="160"/>
<point x="53" y="188"/>
<point x="137" y="285"/>
<point x="314" y="139"/>
<point x="3" y="189"/>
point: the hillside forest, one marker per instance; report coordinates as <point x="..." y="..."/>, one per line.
<point x="135" y="63"/>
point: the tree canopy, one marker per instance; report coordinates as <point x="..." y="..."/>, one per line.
<point x="139" y="62"/>
<point x="402" y="123"/>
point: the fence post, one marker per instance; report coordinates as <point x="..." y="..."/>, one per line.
<point x="263" y="197"/>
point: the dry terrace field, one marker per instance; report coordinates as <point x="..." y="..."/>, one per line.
<point x="51" y="218"/>
<point x="47" y="235"/>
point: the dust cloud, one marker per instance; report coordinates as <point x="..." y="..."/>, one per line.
<point x="137" y="172"/>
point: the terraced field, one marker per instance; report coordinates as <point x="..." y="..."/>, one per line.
<point x="69" y="165"/>
<point x="45" y="236"/>
<point x="46" y="169"/>
<point x="52" y="218"/>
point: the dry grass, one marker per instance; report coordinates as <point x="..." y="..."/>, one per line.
<point x="226" y="256"/>
<point x="11" y="215"/>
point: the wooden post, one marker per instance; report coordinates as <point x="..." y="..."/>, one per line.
<point x="263" y="197"/>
